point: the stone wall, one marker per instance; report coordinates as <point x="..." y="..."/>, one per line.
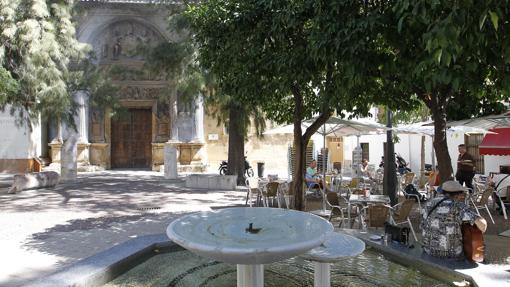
<point x="271" y="149"/>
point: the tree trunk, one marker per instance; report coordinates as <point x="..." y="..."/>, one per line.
<point x="390" y="171"/>
<point x="299" y="165"/>
<point x="438" y="109"/>
<point x="236" y="144"/>
<point x="300" y="144"/>
<point x="300" y="152"/>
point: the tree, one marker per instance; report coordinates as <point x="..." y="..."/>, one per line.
<point x="444" y="52"/>
<point x="280" y="55"/>
<point x="8" y="86"/>
<point x="178" y="60"/>
<point x="37" y="45"/>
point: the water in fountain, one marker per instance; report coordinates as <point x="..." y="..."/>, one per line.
<point x="180" y="268"/>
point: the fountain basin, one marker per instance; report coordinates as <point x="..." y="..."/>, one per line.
<point x="223" y="234"/>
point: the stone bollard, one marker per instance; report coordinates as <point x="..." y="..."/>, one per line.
<point x="170" y="161"/>
<point x="33" y="181"/>
<point x="69" y="162"/>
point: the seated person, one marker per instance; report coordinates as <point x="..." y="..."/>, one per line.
<point x="312" y="177"/>
<point x="442" y="220"/>
<point x="500" y="182"/>
<point x="364" y="168"/>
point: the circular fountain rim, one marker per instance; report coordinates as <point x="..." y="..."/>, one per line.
<point x="255" y="254"/>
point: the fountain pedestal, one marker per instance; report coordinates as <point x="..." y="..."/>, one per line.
<point x="249" y="237"/>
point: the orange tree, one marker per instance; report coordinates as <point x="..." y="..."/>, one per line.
<point x="294" y="59"/>
<point x="447" y="53"/>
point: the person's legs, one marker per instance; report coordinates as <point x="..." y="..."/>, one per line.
<point x="460" y="177"/>
<point x="469" y="180"/>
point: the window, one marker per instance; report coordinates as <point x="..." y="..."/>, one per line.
<point x="365" y="151"/>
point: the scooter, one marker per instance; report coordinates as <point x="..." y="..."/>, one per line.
<point x="248" y="170"/>
<point x="402" y="164"/>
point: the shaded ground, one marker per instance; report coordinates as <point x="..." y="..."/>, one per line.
<point x="47" y="229"/>
<point x="497" y="248"/>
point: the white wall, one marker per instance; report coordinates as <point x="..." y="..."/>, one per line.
<point x="409" y="147"/>
<point x="492" y="162"/>
<point x="17" y="142"/>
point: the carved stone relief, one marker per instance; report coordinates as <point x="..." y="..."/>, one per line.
<point x="139" y="93"/>
<point x="125" y="40"/>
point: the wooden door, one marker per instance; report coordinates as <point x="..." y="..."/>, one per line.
<point x="131" y="139"/>
<point x="336" y="149"/>
<point x="472" y="142"/>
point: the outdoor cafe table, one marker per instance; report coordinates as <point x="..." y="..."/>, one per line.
<point x="249" y="237"/>
<point x="371" y="199"/>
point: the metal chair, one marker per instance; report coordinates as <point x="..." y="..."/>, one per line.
<point x="333" y="202"/>
<point x="480" y="202"/>
<point x="376" y="215"/>
<point x="399" y="214"/>
<point x="503" y="203"/>
<point x="285" y="194"/>
<point x="271" y="192"/>
<point x="252" y="184"/>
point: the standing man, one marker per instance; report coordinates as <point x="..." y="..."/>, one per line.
<point x="465" y="167"/>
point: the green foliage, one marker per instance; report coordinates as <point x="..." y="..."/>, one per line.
<point x="8" y="86"/>
<point x="419" y="113"/>
<point x="177" y="59"/>
<point x="37" y="45"/>
<point x="447" y="48"/>
<point x="264" y="52"/>
<point x="452" y="55"/>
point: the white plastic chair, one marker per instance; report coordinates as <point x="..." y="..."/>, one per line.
<point x="252" y="183"/>
<point x="482" y="201"/>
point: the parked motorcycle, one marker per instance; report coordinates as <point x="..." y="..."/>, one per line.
<point x="400" y="164"/>
<point x="248" y="170"/>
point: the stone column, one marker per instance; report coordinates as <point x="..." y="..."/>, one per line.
<point x="174" y="132"/>
<point x="81" y="98"/>
<point x="56" y="142"/>
<point x="171" y="151"/>
<point x="57" y="125"/>
<point x="198" y="135"/>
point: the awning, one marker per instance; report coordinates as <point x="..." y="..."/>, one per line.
<point x="496" y="144"/>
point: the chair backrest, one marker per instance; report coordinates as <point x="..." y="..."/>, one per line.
<point x="354" y="183"/>
<point x="408" y="178"/>
<point x="405" y="209"/>
<point x="290" y="190"/>
<point x="377" y="215"/>
<point x="252" y="182"/>
<point x="358" y="191"/>
<point x="332" y="198"/>
<point x="485" y="196"/>
<point x="432" y="178"/>
<point x="272" y="189"/>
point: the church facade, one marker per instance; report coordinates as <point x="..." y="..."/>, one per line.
<point x="150" y="115"/>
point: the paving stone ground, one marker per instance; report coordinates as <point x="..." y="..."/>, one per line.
<point x="47" y="229"/>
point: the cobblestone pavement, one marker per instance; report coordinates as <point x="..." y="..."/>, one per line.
<point x="47" y="229"/>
